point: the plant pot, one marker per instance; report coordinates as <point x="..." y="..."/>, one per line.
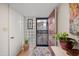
<point x="26" y="47"/>
<point x="69" y="45"/>
<point x="63" y="44"/>
<point x="66" y="45"/>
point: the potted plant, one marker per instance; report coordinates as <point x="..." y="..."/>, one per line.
<point x="26" y="45"/>
<point x="65" y="42"/>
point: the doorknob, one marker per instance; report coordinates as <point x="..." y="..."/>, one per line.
<point x="12" y="37"/>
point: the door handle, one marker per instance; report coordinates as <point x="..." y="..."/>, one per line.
<point x="12" y="37"/>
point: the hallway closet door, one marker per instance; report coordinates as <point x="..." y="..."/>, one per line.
<point x="15" y="32"/>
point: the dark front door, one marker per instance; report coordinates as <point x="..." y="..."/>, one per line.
<point x="41" y="32"/>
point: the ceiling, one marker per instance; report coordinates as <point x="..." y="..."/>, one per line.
<point x="34" y="9"/>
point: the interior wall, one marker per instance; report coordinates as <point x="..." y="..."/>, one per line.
<point x="3" y="29"/>
<point x="63" y="20"/>
<point x="30" y="34"/>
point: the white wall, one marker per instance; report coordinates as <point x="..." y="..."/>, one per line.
<point x="63" y="20"/>
<point x="3" y="29"/>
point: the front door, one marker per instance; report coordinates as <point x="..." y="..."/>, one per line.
<point x="42" y="32"/>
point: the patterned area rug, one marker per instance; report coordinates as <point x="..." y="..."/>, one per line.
<point x="41" y="51"/>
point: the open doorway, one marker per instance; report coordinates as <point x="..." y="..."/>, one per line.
<point x="42" y="31"/>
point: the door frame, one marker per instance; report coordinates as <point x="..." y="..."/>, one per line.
<point x="47" y="29"/>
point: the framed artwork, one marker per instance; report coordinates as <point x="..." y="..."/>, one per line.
<point x="74" y="18"/>
<point x="30" y="23"/>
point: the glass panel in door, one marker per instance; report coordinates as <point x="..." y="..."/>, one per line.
<point x="42" y="32"/>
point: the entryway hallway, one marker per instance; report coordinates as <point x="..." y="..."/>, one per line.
<point x="29" y="29"/>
